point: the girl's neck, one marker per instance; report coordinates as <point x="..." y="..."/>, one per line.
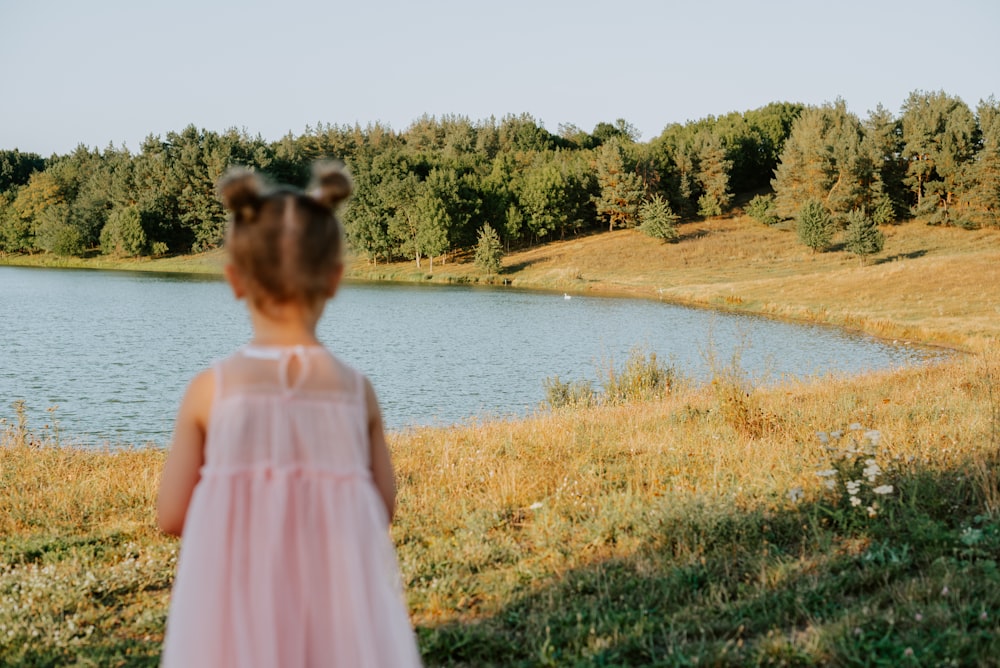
<point x="287" y="324"/>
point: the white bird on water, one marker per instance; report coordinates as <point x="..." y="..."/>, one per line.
<point x="566" y="296"/>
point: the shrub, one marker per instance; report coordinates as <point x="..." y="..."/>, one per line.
<point x="814" y="225"/>
<point x="643" y="378"/>
<point x="761" y="209"/>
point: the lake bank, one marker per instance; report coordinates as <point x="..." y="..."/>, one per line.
<point x="921" y="288"/>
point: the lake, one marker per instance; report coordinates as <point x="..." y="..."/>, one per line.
<point x="107" y="355"/>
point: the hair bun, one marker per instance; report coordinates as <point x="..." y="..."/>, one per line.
<point x="331" y="184"/>
<point x="241" y="191"/>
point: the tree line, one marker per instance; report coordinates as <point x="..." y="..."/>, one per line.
<point x="434" y="187"/>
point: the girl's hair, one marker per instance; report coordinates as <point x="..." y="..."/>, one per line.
<point x="285" y="243"/>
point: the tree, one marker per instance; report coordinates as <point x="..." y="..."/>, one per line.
<point x="123" y="234"/>
<point x="862" y="237"/>
<point x="489" y="250"/>
<point x="814" y="225"/>
<point x="56" y="234"/>
<point x="938" y="133"/>
<point x="883" y="143"/>
<point x="981" y="196"/>
<point x="823" y="160"/>
<point x="621" y="190"/>
<point x="657" y="220"/>
<point x="713" y="176"/>
<point x="16" y="168"/>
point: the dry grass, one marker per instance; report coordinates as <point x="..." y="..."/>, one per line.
<point x="626" y="534"/>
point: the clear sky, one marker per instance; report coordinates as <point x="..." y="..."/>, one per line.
<point x="107" y="71"/>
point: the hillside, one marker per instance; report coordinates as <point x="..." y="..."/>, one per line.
<point x="930" y="284"/>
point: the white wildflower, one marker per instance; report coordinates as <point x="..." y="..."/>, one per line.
<point x="855" y="501"/>
<point x="535" y="506"/>
<point x="795" y="494"/>
<point x="874" y="436"/>
<point x="823" y="437"/>
<point x="883" y="489"/>
<point x="853" y="486"/>
<point x="826" y="473"/>
<point x="855" y="426"/>
<point x="872" y="470"/>
<point x="872" y="510"/>
<point x="836" y="434"/>
<point x="830" y="483"/>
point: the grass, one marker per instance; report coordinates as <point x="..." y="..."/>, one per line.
<point x="690" y="528"/>
<point x="660" y="532"/>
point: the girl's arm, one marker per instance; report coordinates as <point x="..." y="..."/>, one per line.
<point x="187" y="454"/>
<point x="382" y="473"/>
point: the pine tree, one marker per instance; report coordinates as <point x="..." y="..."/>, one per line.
<point x="814" y="225"/>
<point x="621" y="190"/>
<point x="713" y="176"/>
<point x="657" y="220"/>
<point x="862" y="237"/>
<point x="489" y="250"/>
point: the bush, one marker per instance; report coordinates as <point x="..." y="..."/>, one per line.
<point x="761" y="209"/>
<point x="814" y="226"/>
<point x="574" y="393"/>
<point x="643" y="378"/>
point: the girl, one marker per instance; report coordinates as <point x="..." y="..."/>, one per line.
<point x="278" y="477"/>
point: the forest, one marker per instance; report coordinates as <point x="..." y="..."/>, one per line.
<point x="433" y="188"/>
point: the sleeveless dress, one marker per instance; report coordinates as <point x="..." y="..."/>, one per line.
<point x="286" y="558"/>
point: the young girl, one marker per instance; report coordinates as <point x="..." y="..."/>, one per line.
<point x="279" y="478"/>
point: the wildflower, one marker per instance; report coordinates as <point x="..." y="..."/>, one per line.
<point x="836" y="434"/>
<point x="830" y="483"/>
<point x="918" y="617"/>
<point x="853" y="486"/>
<point x="872" y="470"/>
<point x="908" y="652"/>
<point x="872" y="510"/>
<point x="855" y="501"/>
<point x="944" y="590"/>
<point x="873" y="436"/>
<point x="823" y="437"/>
<point x="857" y="630"/>
<point x="983" y="616"/>
<point x="795" y="494"/>
<point x="535" y="506"/>
<point x="883" y="489"/>
<point x="855" y="426"/>
<point x="826" y="473"/>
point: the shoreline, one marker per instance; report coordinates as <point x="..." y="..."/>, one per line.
<point x="757" y="271"/>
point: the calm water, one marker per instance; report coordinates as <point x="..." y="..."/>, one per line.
<point x="114" y="351"/>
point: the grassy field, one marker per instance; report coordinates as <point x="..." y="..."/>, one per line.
<point x="835" y="521"/>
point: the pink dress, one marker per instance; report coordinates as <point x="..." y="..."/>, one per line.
<point x="286" y="558"/>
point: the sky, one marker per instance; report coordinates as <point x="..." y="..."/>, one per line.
<point x="113" y="72"/>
